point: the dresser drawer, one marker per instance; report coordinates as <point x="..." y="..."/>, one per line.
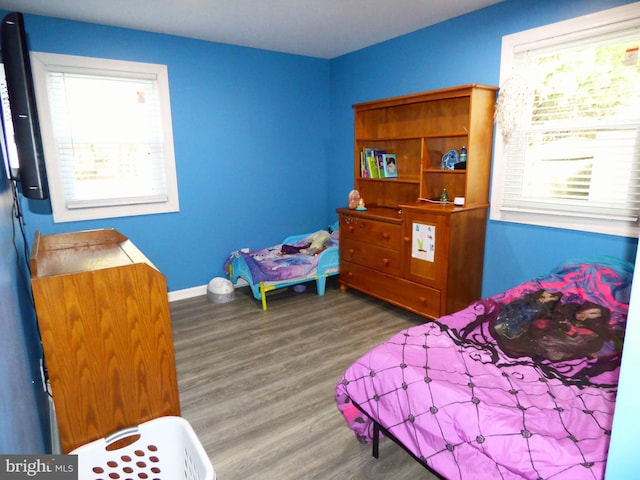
<point x="383" y="234"/>
<point x="371" y="255"/>
<point x="417" y="298"/>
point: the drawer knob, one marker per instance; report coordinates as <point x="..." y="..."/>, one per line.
<point x="351" y="228"/>
<point x="423" y="300"/>
<point x="407" y="239"/>
<point x="385" y="235"/>
<point x="352" y="251"/>
<point x="385" y="261"/>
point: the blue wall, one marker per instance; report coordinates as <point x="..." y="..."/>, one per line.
<point x="264" y="146"/>
<point x="251" y="130"/>
<point x="23" y="403"/>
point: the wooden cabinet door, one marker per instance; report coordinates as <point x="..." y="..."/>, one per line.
<point x="426" y="248"/>
<point x="105" y="324"/>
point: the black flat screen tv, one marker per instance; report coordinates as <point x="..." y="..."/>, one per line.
<point x="15" y="57"/>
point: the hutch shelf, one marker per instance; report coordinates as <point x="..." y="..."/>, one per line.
<point x="408" y="247"/>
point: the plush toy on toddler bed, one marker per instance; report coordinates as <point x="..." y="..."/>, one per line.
<point x="317" y="243"/>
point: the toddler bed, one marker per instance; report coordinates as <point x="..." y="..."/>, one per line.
<point x="298" y="259"/>
<point x="518" y="385"/>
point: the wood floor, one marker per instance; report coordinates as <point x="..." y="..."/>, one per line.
<point x="258" y="387"/>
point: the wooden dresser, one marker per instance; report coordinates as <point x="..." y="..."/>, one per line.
<point x="105" y="325"/>
<point x="407" y="247"/>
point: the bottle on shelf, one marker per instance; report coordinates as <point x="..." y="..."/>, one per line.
<point x="463" y="154"/>
<point x="444" y="196"/>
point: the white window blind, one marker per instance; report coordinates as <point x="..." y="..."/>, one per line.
<point x="7" y="141"/>
<point x="573" y="158"/>
<point x="108" y="134"/>
<point x="108" y="144"/>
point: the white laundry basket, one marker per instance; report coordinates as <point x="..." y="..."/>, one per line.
<point x="220" y="290"/>
<point x="165" y="448"/>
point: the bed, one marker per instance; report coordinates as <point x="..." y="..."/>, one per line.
<point x="298" y="259"/>
<point x="518" y="385"/>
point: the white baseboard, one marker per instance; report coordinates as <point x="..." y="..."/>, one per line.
<point x="198" y="291"/>
<point x="187" y="293"/>
<point x="56" y="446"/>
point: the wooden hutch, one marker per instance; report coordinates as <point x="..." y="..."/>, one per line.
<point x="407" y="247"/>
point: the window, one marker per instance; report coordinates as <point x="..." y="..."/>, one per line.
<point x="7" y="143"/>
<point x="568" y="125"/>
<point x="107" y="136"/>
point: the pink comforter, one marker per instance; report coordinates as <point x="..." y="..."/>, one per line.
<point x="470" y="411"/>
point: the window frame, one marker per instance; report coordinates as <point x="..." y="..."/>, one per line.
<point x="622" y="18"/>
<point x="41" y="64"/>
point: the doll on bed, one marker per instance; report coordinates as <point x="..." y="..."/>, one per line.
<point x="539" y="326"/>
<point x="516" y="316"/>
<point x="316" y="246"/>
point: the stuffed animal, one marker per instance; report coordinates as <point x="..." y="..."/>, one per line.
<point x="317" y="243"/>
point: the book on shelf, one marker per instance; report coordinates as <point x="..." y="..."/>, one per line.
<point x="364" y="170"/>
<point x="372" y="166"/>
<point x="376" y="163"/>
<point x="378" y="156"/>
<point x="371" y="162"/>
<point x="389" y="165"/>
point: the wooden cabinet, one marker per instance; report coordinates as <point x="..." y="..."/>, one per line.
<point x="378" y="247"/>
<point x="104" y="320"/>
<point x="458" y="240"/>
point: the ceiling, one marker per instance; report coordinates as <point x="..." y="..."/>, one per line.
<point x="316" y="28"/>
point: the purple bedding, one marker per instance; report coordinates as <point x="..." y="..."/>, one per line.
<point x="518" y="385"/>
<point x="283" y="262"/>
